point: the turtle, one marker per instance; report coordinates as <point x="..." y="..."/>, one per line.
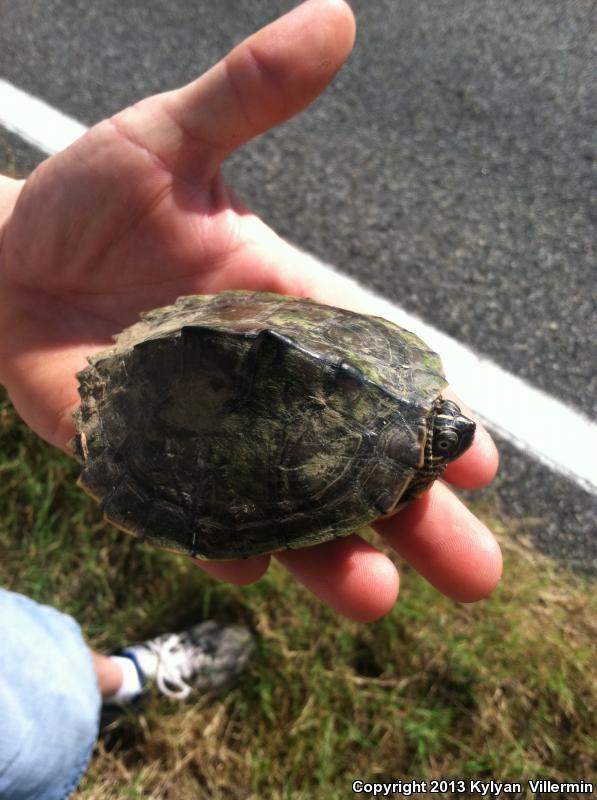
<point x="229" y="425"/>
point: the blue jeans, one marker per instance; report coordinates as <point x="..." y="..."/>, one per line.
<point x="49" y="701"/>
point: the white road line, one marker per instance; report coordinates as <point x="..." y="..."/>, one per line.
<point x="35" y="121"/>
<point x="530" y="419"/>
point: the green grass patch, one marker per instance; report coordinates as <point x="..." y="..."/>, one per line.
<point x="501" y="689"/>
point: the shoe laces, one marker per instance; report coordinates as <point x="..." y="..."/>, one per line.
<point x="206" y="658"/>
<point x="176" y="664"/>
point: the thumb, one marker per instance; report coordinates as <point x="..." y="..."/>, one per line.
<point x="266" y="79"/>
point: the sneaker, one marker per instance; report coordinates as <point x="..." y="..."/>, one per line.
<point x="205" y="658"/>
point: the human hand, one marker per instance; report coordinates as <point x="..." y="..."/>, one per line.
<point x="136" y="213"/>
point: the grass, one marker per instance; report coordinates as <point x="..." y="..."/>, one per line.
<point x="503" y="689"/>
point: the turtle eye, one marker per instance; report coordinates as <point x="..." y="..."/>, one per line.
<point x="445" y="443"/>
<point x="452" y="434"/>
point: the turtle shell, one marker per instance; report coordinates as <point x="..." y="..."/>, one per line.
<point x="241" y="423"/>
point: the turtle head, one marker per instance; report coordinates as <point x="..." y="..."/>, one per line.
<point x="451" y="434"/>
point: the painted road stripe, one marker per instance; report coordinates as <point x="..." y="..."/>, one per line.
<point x="35" y="121"/>
<point x="533" y="421"/>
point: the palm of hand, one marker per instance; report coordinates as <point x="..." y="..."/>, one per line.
<point x="127" y="232"/>
<point x="136" y="213"/>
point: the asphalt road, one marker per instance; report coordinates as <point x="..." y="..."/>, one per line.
<point x="451" y="167"/>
